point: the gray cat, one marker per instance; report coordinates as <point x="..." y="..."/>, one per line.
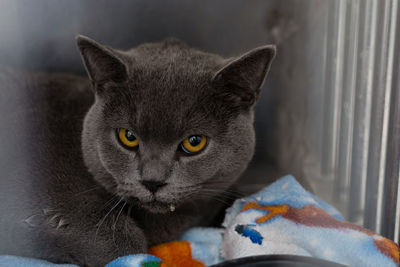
<point x="130" y="158"/>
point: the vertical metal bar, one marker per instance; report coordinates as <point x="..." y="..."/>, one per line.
<point x="339" y="84"/>
<point x="385" y="80"/>
<point x="394" y="140"/>
<point x="369" y="47"/>
<point x="391" y="177"/>
<point x="372" y="213"/>
<point x="339" y="183"/>
<point x="362" y="116"/>
<point x="362" y="111"/>
<point x="348" y="98"/>
<point x="333" y="77"/>
<point x="397" y="212"/>
<point x="337" y="104"/>
<point x="391" y="220"/>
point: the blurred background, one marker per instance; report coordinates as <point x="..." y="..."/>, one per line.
<point x="330" y="108"/>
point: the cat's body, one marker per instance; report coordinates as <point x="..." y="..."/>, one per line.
<point x="76" y="194"/>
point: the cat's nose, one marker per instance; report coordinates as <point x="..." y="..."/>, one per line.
<point x="153" y="186"/>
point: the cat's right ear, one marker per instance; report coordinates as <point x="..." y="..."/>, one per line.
<point x="102" y="63"/>
<point x="239" y="82"/>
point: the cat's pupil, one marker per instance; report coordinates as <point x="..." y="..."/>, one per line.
<point x="129" y="135"/>
<point x="194" y="140"/>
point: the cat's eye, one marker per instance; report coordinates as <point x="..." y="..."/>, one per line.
<point x="193" y="144"/>
<point x="127" y="138"/>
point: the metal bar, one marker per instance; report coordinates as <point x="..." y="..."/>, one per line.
<point x="362" y="111"/>
<point x="333" y="77"/>
<point x="369" y="145"/>
<point x="339" y="84"/>
<point x="348" y="98"/>
<point x="392" y="134"/>
<point x="392" y="206"/>
<point x="386" y="82"/>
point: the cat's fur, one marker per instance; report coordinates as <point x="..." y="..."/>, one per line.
<point x="85" y="202"/>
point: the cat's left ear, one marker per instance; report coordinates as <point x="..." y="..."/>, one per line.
<point x="240" y="81"/>
<point x="101" y="62"/>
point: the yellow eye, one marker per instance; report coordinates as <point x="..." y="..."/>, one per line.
<point x="194" y="144"/>
<point x="127" y="138"/>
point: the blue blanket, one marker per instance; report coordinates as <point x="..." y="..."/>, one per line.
<point x="283" y="218"/>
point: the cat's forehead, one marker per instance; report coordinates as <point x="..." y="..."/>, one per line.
<point x="171" y="72"/>
<point x="168" y="107"/>
<point x="170" y="90"/>
<point x="170" y="77"/>
<point x="172" y="54"/>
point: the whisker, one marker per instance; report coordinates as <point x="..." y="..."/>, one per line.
<point x="86" y="191"/>
<point x="212" y="197"/>
<point x="104" y="218"/>
<point x="204" y="185"/>
<point x="219" y="194"/>
<point x="127" y="218"/>
<point x="222" y="192"/>
<point x="115" y="223"/>
<point x="109" y="201"/>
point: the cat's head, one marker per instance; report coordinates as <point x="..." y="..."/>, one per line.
<point x="170" y="124"/>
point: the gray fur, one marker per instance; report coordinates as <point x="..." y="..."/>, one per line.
<point x="89" y="205"/>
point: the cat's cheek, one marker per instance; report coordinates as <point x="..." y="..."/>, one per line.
<point x="117" y="162"/>
<point x="199" y="169"/>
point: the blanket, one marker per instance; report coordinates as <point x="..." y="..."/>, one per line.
<point x="283" y="218"/>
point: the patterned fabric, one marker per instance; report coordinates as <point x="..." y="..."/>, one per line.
<point x="283" y="218"/>
<point x="138" y="260"/>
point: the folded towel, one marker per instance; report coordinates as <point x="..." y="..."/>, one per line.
<point x="283" y="218"/>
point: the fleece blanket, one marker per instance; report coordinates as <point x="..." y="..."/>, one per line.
<point x="283" y="218"/>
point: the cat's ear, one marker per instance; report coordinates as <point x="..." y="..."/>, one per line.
<point x="240" y="81"/>
<point x="102" y="63"/>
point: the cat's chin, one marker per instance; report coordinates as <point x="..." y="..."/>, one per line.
<point x="157" y="207"/>
<point x="153" y="206"/>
